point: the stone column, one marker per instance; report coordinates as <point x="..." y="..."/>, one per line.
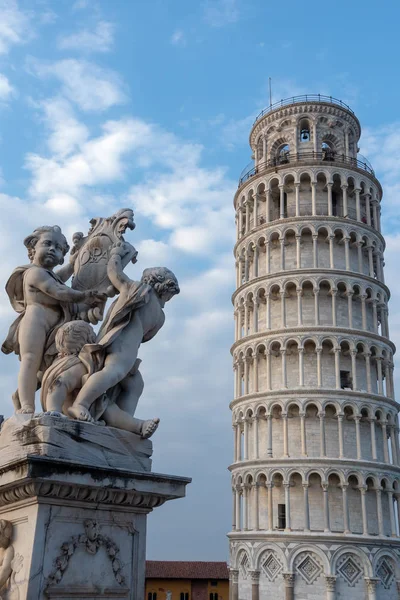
<point x="368" y="208"/>
<point x="322" y="433"/>
<point x="327" y="526"/>
<point x="239" y="440"/>
<point x="306" y="507"/>
<point x="315" y="250"/>
<point x="246" y="318"/>
<point x="255" y="315"/>
<point x="330" y="583"/>
<point x="237" y="504"/>
<point x="346" y="241"/>
<point x="299" y="308"/>
<point x="267" y="206"/>
<point x="283" y="308"/>
<point x="234" y="509"/>
<point x="255" y="210"/>
<point x="375" y="315"/>
<point x="319" y="367"/>
<point x="245" y="496"/>
<point x="270" y="507"/>
<point x="255" y="585"/>
<point x="334" y="295"/>
<point x="287" y="506"/>
<point x="329" y="186"/>
<point x="267" y="257"/>
<point x="363" y="491"/>
<point x="371" y="587"/>
<point x="350" y="307"/>
<point x="346" y="519"/>
<point x="303" y="434"/>
<point x="246" y="375"/>
<point x="256" y="489"/>
<point x="268" y="311"/>
<point x="313" y="198"/>
<point x="370" y="261"/>
<point x="340" y="431"/>
<point x="379" y="368"/>
<point x="298" y="252"/>
<point x="353" y="354"/>
<point x="379" y="510"/>
<point x="358" y="204"/>
<point x="255" y="260"/>
<point x="368" y="370"/>
<point x="289" y="585"/>
<point x="375" y="213"/>
<point x="268" y="359"/>
<point x="282" y="244"/>
<point x="360" y="257"/>
<point x="345" y="208"/>
<point x="285" y="435"/>
<point x="284" y="372"/>
<point x="255" y="372"/>
<point x="246" y="439"/>
<point x="255" y="437"/>
<point x="316" y="306"/>
<point x="282" y="202"/>
<point x="234" y="583"/>
<point x="358" y="436"/>
<point x="247" y="216"/>
<point x="301" y="367"/>
<point x="297" y="189"/>
<point x="391" y="514"/>
<point x="337" y="367"/>
<point x="269" y="436"/>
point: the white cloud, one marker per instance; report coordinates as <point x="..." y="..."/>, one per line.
<point x="15" y="27"/>
<point x="6" y="89"/>
<point x="91" y="87"/>
<point x="99" y="40"/>
<point x="219" y="13"/>
<point x="178" y="38"/>
<point x="66" y="132"/>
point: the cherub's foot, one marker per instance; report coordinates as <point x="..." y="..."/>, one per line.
<point x="54" y="413"/>
<point x="25" y="410"/>
<point x="80" y="413"/>
<point x="149" y="427"/>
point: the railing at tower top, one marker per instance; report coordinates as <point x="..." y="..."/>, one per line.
<point x="301" y="100"/>
<point x="328" y="157"/>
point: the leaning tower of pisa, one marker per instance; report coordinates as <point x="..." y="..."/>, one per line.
<point x="315" y="475"/>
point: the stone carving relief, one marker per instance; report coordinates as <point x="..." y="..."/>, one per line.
<point x="271" y="566"/>
<point x="10" y="563"/>
<point x="308" y="567"/>
<point x="244" y="564"/>
<point x="385" y="571"/>
<point x="349" y="569"/>
<point x="90" y="541"/>
<point x="82" y="375"/>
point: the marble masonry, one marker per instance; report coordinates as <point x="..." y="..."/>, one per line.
<point x="315" y="475"/>
<point x="76" y="479"/>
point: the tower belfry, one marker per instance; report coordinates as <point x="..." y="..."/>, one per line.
<point x="315" y="476"/>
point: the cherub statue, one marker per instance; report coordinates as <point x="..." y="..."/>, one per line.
<point x="44" y="303"/>
<point x="78" y="358"/>
<point x="10" y="564"/>
<point x="134" y="317"/>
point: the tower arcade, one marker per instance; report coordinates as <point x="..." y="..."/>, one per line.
<point x="315" y="476"/>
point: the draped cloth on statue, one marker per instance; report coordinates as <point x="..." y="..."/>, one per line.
<point x="15" y="292"/>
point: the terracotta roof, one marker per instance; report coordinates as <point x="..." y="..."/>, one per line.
<point x="168" y="569"/>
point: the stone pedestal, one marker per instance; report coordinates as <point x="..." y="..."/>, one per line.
<point x="77" y="496"/>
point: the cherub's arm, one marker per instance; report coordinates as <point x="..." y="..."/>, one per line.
<point x="65" y="272"/>
<point x="41" y="279"/>
<point x="6" y="569"/>
<point x="119" y="257"/>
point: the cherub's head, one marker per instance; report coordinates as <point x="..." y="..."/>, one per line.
<point x="72" y="336"/>
<point x="47" y="246"/>
<point x="163" y="281"/>
<point x="5" y="533"/>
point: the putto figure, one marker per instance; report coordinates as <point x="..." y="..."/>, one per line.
<point x="135" y="317"/>
<point x="44" y="303"/>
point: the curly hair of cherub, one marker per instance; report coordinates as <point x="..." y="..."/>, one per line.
<point x="31" y="240"/>
<point x="72" y="336"/>
<point x="161" y="279"/>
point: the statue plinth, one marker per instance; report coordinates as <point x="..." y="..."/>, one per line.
<point x="77" y="495"/>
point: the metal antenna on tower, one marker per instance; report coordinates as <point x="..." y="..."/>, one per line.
<point x="270" y="91"/>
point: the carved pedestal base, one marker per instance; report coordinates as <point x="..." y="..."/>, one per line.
<point x="79" y="529"/>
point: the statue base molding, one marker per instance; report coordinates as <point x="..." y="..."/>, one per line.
<point x="79" y="520"/>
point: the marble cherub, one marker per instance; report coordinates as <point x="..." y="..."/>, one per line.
<point x="78" y="358"/>
<point x="134" y="317"/>
<point x="44" y="303"/>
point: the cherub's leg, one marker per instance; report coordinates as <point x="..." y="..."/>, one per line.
<point x="32" y="341"/>
<point x="131" y="390"/>
<point x="115" y="417"/>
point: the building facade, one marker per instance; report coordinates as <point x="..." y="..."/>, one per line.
<point x="186" y="580"/>
<point x="315" y="476"/>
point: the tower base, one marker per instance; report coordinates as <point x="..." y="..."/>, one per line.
<point x="78" y="521"/>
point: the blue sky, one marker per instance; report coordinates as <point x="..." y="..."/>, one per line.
<point x="105" y="104"/>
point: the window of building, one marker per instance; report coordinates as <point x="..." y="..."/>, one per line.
<point x="281" y="516"/>
<point x="305" y="135"/>
<point x="184" y="596"/>
<point x="213" y="583"/>
<point x="213" y="595"/>
<point x="328" y="153"/>
<point x="152" y="596"/>
<point x="334" y="204"/>
<point x="345" y="380"/>
<point x="283" y="154"/>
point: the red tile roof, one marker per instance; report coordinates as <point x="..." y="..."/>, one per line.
<point x="168" y="569"/>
